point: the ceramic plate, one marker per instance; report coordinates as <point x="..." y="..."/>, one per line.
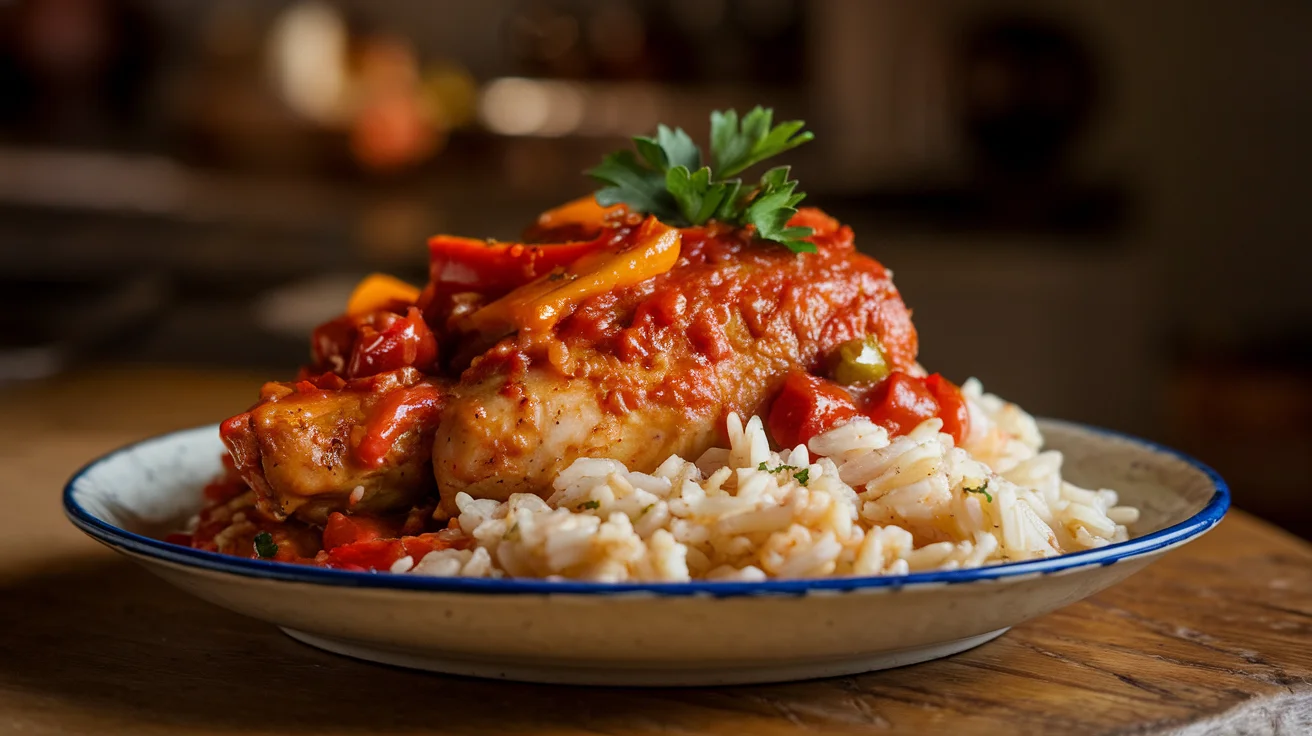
<point x="642" y="634"/>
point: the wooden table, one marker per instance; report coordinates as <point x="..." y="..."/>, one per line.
<point x="1214" y="638"/>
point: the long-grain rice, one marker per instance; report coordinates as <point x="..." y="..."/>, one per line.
<point x="852" y="502"/>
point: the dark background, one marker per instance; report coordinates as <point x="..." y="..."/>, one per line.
<point x="1099" y="209"/>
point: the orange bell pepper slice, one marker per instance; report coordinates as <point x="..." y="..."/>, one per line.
<point x="494" y="267"/>
<point x="540" y="304"/>
<point x="378" y="291"/>
<point x="581" y="217"/>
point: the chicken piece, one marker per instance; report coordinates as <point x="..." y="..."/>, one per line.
<point x="652" y="369"/>
<point x="308" y="446"/>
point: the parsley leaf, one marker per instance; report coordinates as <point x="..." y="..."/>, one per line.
<point x="593" y="504"/>
<point x="772" y="208"/>
<point x="679" y="148"/>
<point x="666" y="177"/>
<point x="982" y="489"/>
<point x="698" y="198"/>
<point x="802" y="475"/>
<point x="735" y="148"/>
<point x="264" y="545"/>
<point x="634" y="184"/>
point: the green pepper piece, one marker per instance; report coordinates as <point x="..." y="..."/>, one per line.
<point x="860" y="361"/>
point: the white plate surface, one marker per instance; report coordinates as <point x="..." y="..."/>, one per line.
<point x="642" y="634"/>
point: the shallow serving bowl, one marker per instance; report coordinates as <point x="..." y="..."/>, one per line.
<point x="642" y="634"/>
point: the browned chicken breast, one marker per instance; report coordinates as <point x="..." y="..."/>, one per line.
<point x="643" y="371"/>
<point x="310" y="448"/>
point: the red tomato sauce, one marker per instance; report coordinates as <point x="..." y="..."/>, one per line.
<point x="358" y="542"/>
<point x="396" y="413"/>
<point x="809" y="405"/>
<point x="727" y="302"/>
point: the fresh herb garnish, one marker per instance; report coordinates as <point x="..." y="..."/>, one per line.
<point x="802" y="475"/>
<point x="982" y="489"/>
<point x="667" y="178"/>
<point x="593" y="504"/>
<point x="736" y="148"/>
<point x="265" y="546"/>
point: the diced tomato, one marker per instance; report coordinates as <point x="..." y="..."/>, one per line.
<point x="807" y="406"/>
<point x="331" y="343"/>
<point x="374" y="554"/>
<point x="357" y="346"/>
<point x="951" y="406"/>
<point x="381" y="554"/>
<point x="900" y="403"/>
<point x="420" y="545"/>
<point x="393" y="341"/>
<point x="342" y="530"/>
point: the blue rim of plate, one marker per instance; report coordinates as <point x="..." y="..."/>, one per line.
<point x="116" y="537"/>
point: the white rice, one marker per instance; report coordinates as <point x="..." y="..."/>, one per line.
<point x="853" y="502"/>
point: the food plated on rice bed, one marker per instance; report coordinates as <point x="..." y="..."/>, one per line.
<point x="681" y="377"/>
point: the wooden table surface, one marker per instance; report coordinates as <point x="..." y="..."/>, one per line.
<point x="1214" y="638"/>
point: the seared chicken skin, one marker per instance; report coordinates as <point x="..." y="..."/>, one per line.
<point x="652" y="369"/>
<point x="311" y="448"/>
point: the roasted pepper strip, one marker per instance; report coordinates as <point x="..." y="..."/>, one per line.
<point x="493" y="267"/>
<point x="539" y="305"/>
<point x="379" y="291"/>
<point x="582" y="217"/>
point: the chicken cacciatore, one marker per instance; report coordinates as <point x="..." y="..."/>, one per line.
<point x="609" y="331"/>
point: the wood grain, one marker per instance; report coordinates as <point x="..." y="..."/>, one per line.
<point x="1214" y="638"/>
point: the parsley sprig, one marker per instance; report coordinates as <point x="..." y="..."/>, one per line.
<point x="802" y="475"/>
<point x="265" y="547"/>
<point x="667" y="178"/>
<point x="984" y="489"/>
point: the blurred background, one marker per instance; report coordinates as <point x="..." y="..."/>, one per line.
<point x="1102" y="210"/>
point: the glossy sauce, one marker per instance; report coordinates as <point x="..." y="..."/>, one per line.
<point x="730" y="301"/>
<point x="399" y="411"/>
<point x="733" y="316"/>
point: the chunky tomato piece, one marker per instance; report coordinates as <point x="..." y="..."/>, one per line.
<point x="900" y="403"/>
<point x="393" y="341"/>
<point x="381" y="554"/>
<point x="373" y="554"/>
<point x="951" y="406"/>
<point x="357" y="346"/>
<point x="421" y="544"/>
<point x="807" y="406"/>
<point x="342" y="529"/>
